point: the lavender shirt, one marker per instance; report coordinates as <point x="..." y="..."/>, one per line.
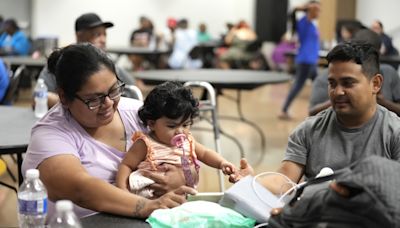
<point x="58" y="133"/>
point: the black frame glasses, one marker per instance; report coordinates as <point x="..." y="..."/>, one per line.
<point x="98" y="101"/>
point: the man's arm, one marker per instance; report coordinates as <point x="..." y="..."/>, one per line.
<point x="278" y="184"/>
<point x="292" y="170"/>
<point x="319" y="99"/>
<point x="392" y="106"/>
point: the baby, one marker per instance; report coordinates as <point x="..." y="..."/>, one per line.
<point x="168" y="111"/>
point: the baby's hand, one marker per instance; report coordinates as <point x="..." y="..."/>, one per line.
<point x="227" y="168"/>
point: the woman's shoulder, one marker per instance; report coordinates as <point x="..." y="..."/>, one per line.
<point x="129" y="104"/>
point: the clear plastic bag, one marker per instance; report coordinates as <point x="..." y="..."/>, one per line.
<point x="198" y="214"/>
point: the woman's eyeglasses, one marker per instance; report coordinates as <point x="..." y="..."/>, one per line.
<point x="96" y="102"/>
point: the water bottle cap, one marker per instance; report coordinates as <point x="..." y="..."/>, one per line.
<point x="64" y="205"/>
<point x="32" y="174"/>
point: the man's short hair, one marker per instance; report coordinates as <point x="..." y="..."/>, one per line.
<point x="361" y="53"/>
<point x="89" y="21"/>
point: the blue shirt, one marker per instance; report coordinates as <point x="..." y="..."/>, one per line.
<point x="18" y="43"/>
<point x="4" y="79"/>
<point x="309" y="42"/>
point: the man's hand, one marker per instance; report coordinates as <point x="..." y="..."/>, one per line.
<point x="245" y="169"/>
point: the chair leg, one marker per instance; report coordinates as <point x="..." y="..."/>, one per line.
<point x="9" y="186"/>
<point x="8" y="170"/>
<point x="11" y="174"/>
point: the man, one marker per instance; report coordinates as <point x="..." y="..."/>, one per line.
<point x="89" y="28"/>
<point x="387" y="45"/>
<point x="185" y="40"/>
<point x="389" y="95"/>
<point x="13" y="41"/>
<point x="354" y="127"/>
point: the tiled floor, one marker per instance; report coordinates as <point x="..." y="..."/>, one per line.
<point x="261" y="106"/>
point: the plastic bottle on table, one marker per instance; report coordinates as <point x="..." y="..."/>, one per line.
<point x="40" y="95"/>
<point x="32" y="201"/>
<point x="65" y="216"/>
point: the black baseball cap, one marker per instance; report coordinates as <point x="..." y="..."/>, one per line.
<point x="90" y="20"/>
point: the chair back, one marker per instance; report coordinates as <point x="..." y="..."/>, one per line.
<point x="12" y="89"/>
<point x="133" y="91"/>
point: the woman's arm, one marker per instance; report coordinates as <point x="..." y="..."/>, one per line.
<point x="136" y="154"/>
<point x="65" y="178"/>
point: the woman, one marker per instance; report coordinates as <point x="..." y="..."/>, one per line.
<point x="79" y="143"/>
<point x="307" y="56"/>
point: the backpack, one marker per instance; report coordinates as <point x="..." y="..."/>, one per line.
<point x="374" y="199"/>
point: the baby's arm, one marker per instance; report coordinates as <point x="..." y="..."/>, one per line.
<point x="136" y="154"/>
<point x="213" y="159"/>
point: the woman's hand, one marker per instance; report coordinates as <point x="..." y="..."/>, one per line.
<point x="245" y="169"/>
<point x="174" y="198"/>
<point x="172" y="179"/>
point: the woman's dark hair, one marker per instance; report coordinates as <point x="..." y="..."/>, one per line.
<point x="171" y="100"/>
<point x="361" y="53"/>
<point x="293" y="18"/>
<point x="12" y="23"/>
<point x="74" y="64"/>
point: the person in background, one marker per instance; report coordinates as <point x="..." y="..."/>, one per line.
<point x="1" y="25"/>
<point x="143" y="37"/>
<point x="185" y="39"/>
<point x="78" y="145"/>
<point x="202" y="34"/>
<point x="167" y="34"/>
<point x="4" y="80"/>
<point x="13" y="41"/>
<point x="88" y="28"/>
<point x="278" y="54"/>
<point x="237" y="39"/>
<point x="388" y="96"/>
<point x="353" y="128"/>
<point x="169" y="111"/>
<point x="348" y="30"/>
<point x="307" y="55"/>
<point x="387" y="48"/>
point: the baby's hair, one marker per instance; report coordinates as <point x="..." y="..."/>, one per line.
<point x="170" y="99"/>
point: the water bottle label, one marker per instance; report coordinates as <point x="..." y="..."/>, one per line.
<point x="40" y="94"/>
<point x="32" y="207"/>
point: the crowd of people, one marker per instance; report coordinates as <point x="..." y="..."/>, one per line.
<point x="109" y="153"/>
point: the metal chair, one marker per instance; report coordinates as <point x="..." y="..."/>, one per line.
<point x="12" y="89"/>
<point x="3" y="169"/>
<point x="133" y="91"/>
<point x="210" y="105"/>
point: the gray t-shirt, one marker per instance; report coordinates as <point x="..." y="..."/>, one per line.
<point x="321" y="141"/>
<point x="390" y="88"/>
<point x="50" y="79"/>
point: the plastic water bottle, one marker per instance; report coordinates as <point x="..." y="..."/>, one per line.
<point x="40" y="95"/>
<point x="32" y="201"/>
<point x="65" y="216"/>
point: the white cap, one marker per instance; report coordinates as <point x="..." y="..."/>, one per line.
<point x="64" y="205"/>
<point x="32" y="174"/>
<point x="40" y="80"/>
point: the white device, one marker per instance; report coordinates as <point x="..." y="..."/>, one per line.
<point x="244" y="197"/>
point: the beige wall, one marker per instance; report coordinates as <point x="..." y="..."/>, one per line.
<point x="331" y="11"/>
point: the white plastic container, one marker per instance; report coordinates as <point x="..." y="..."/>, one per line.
<point x="32" y="201"/>
<point x="40" y="96"/>
<point x="64" y="216"/>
